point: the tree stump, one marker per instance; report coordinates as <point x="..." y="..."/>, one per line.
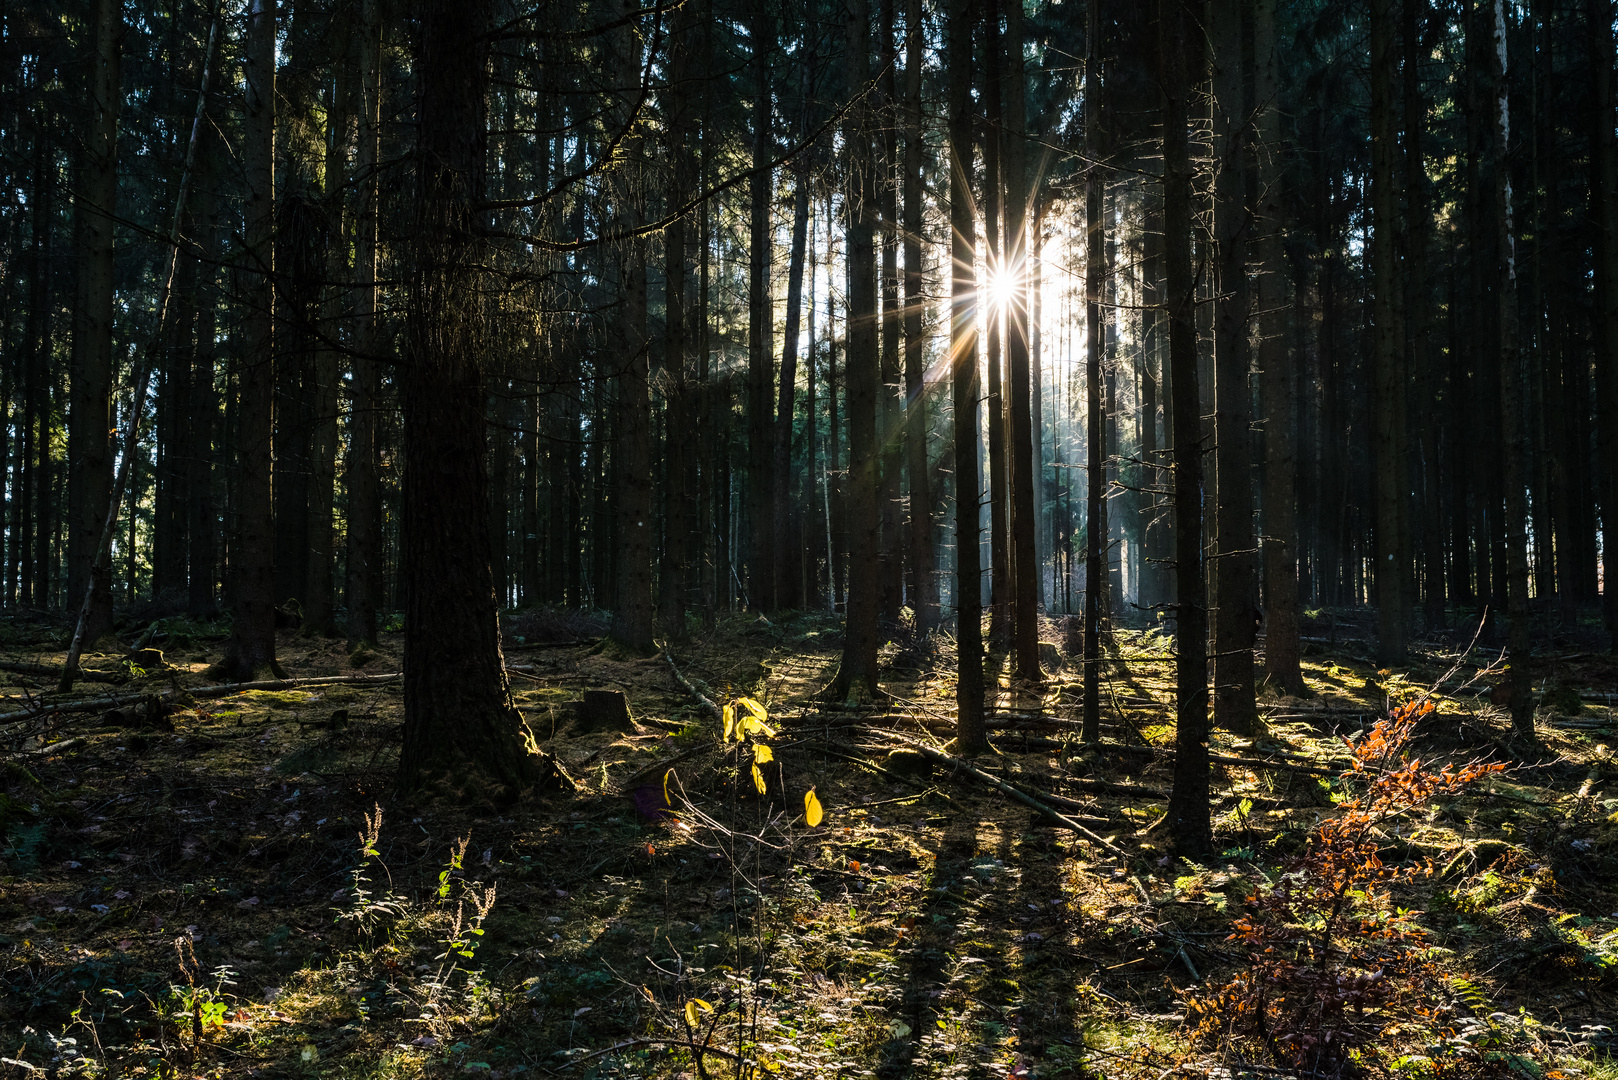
<point x="604" y="710"/>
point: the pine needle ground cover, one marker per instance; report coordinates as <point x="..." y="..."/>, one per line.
<point x="225" y="886"/>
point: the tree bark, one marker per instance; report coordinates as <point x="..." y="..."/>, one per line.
<point x="632" y="613"/>
<point x="1189" y="822"/>
<point x="1000" y="583"/>
<point x="1095" y="268"/>
<point x="462" y="737"/>
<point x="252" y="562"/>
<point x="1235" y="587"/>
<point x="89" y="458"/>
<point x="970" y="734"/>
<point x="1387" y="371"/>
<point x="360" y="464"/>
<point x="890" y="394"/>
<point x="1512" y="430"/>
<point x="1024" y="510"/>
<point x="1278" y="379"/>
<point x="760" y="328"/>
<point x="856" y="676"/>
<point x="923" y="561"/>
<point x="1604" y="196"/>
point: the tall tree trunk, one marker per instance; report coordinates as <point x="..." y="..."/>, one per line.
<point x="462" y="736"/>
<point x="856" y="676"/>
<point x="1235" y="587"/>
<point x="1604" y="196"/>
<point x="923" y="562"/>
<point x="970" y="734"/>
<point x="1418" y="322"/>
<point x="890" y="393"/>
<point x="89" y="457"/>
<point x="203" y="552"/>
<point x="1024" y="510"/>
<point x="1188" y="816"/>
<point x="1512" y="432"/>
<point x="1279" y="380"/>
<point x="1095" y="268"/>
<point x="319" y="610"/>
<point x="632" y="462"/>
<point x="362" y="559"/>
<point x="673" y="581"/>
<point x="252" y="553"/>
<point x="1387" y="371"/>
<point x="786" y="566"/>
<point x="760" y="327"/>
<point x="1000" y="583"/>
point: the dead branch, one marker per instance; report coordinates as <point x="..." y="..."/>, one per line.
<point x="1006" y="789"/>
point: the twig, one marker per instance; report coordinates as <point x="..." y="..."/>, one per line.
<point x="46" y="671"/>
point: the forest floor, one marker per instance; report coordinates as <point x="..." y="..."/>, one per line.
<point x="225" y="886"/>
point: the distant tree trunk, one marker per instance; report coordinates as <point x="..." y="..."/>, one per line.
<point x="923" y="561"/>
<point x="632" y="462"/>
<point x="856" y="676"/>
<point x="1279" y="378"/>
<point x="1235" y="588"/>
<point x="252" y="553"/>
<point x="1388" y="372"/>
<point x="1512" y="431"/>
<point x="462" y="737"/>
<point x="203" y="552"/>
<point x="970" y="733"/>
<point x="678" y="461"/>
<point x="890" y="393"/>
<point x="1418" y="321"/>
<point x="360" y="462"/>
<point x="319" y="615"/>
<point x="1095" y="267"/>
<point x="1188" y="815"/>
<point x="1000" y="583"/>
<point x="760" y="327"/>
<point x="786" y="566"/>
<point x="89" y="457"/>
<point x="1604" y="196"/>
<point x="1024" y="510"/>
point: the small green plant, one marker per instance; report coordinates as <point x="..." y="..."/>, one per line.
<point x="203" y="1005"/>
<point x="366" y="912"/>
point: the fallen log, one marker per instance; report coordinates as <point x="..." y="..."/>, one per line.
<point x="1006" y="789"/>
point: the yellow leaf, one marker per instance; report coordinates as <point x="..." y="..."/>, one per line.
<point x="762" y="755"/>
<point x="730" y="722"/>
<point x="770" y="1066"/>
<point x="752" y="725"/>
<point x="691" y="1013"/>
<point x="753" y="708"/>
<point x="758" y="779"/>
<point x="703" y="1005"/>
<point x="811" y="808"/>
<point x="666" y="800"/>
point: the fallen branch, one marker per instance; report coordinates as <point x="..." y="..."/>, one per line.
<point x="197" y="693"/>
<point x="1006" y="789"/>
<point x="46" y="671"/>
<point x="685" y="684"/>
